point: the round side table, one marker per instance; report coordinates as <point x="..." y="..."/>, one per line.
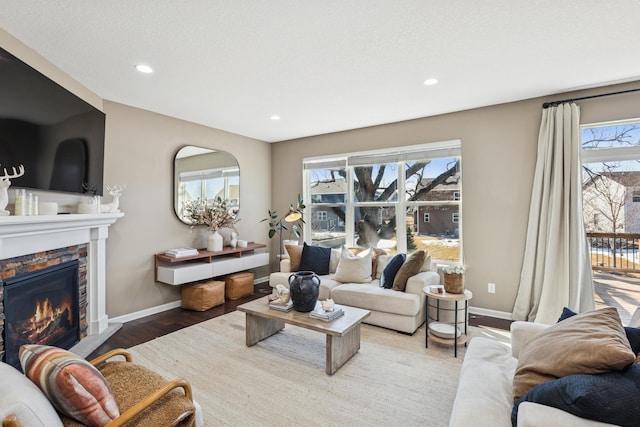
<point x="456" y="339"/>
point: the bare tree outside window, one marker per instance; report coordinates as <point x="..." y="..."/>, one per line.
<point x="609" y="186"/>
<point x="611" y="212"/>
<point x="375" y="198"/>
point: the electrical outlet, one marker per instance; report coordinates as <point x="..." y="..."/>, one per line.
<point x="491" y="288"/>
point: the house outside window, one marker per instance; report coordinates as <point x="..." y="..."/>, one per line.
<point x="611" y="177"/>
<point x="391" y="199"/>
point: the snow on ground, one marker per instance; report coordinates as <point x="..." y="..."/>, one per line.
<point x="444" y="242"/>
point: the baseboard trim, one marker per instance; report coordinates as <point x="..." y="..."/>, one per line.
<point x="146" y="312"/>
<point x="160" y="308"/>
<point x="261" y="280"/>
<point x="490" y="313"/>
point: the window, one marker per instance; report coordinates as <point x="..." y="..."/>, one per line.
<point x="611" y="212"/>
<point x="455" y="217"/>
<point x="611" y="177"/>
<point x="377" y="198"/>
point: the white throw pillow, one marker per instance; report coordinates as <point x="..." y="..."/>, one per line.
<point x="334" y="260"/>
<point x="427" y="263"/>
<point x="383" y="260"/>
<point x="354" y="268"/>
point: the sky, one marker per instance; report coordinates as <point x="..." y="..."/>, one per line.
<point x="631" y="132"/>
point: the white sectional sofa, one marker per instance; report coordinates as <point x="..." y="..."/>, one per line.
<point x="401" y="311"/>
<point x="485" y="390"/>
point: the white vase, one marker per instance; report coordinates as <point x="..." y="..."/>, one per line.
<point x="234" y="240"/>
<point x="214" y="242"/>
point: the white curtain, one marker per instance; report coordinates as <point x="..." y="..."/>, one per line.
<point x="556" y="270"/>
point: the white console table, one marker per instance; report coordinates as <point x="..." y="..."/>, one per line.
<point x="177" y="271"/>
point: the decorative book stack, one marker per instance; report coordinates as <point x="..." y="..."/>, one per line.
<point x="327" y="316"/>
<point x="288" y="306"/>
<point x="181" y="252"/>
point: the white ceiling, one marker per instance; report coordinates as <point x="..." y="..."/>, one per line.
<point x="328" y="65"/>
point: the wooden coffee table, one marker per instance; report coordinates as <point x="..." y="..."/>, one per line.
<point x="343" y="334"/>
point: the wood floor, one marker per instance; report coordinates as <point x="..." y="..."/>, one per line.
<point x="150" y="327"/>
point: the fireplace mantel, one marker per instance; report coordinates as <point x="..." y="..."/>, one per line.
<point x="23" y="235"/>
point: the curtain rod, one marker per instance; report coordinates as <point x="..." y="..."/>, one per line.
<point x="556" y="103"/>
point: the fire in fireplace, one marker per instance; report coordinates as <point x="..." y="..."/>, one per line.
<point x="41" y="308"/>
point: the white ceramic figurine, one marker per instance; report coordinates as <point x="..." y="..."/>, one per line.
<point x="115" y="192"/>
<point x="4" y="187"/>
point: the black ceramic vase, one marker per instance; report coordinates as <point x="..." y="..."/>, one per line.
<point x="304" y="287"/>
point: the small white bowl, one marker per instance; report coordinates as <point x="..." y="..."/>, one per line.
<point x="47" y="208"/>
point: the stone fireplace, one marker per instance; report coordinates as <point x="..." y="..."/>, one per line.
<point x="33" y="244"/>
<point x="43" y="300"/>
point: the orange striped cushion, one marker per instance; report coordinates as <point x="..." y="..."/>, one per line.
<point x="74" y="386"/>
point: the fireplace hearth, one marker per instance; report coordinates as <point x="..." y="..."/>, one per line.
<point x="41" y="307"/>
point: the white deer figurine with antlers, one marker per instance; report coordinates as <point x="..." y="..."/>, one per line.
<point x="115" y="192"/>
<point x="4" y="187"/>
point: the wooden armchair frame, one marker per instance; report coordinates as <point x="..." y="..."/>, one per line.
<point x="12" y="421"/>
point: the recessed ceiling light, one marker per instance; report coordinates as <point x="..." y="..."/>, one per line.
<point x="144" y="68"/>
<point x="431" y="82"/>
<point x="275" y="117"/>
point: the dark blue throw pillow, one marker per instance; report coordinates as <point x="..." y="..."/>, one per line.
<point x="316" y="259"/>
<point x="633" y="334"/>
<point x="566" y="313"/>
<point x="390" y="271"/>
<point x="612" y="397"/>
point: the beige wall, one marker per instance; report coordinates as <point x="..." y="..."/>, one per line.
<point x="499" y="145"/>
<point x="139" y="151"/>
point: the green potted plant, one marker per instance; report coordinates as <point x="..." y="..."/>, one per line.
<point x="294" y="216"/>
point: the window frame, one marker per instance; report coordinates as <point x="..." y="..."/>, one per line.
<point x="399" y="155"/>
<point x="604" y="155"/>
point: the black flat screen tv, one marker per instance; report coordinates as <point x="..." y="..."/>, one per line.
<point x="55" y="135"/>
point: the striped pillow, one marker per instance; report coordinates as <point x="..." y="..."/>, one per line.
<point x="74" y="386"/>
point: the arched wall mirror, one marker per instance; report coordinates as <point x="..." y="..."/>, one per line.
<point x="202" y="173"/>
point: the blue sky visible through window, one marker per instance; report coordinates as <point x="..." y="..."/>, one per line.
<point x="435" y="168"/>
<point x="612" y="136"/>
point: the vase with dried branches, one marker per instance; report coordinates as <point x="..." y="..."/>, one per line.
<point x="215" y="216"/>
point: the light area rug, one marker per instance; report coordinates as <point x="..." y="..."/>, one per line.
<point x="392" y="381"/>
